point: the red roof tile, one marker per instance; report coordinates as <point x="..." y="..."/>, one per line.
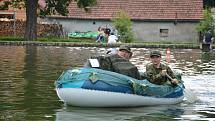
<point x="142" y="9"/>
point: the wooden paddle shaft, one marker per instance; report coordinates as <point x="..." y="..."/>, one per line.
<point x="169" y="76"/>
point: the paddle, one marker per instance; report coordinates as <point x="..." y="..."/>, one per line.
<point x="189" y="95"/>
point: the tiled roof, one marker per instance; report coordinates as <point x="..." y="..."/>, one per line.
<point x="142" y="9"/>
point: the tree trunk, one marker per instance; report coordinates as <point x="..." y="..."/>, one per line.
<point x="31" y="20"/>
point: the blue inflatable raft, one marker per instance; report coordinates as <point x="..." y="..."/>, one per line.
<point x="91" y="87"/>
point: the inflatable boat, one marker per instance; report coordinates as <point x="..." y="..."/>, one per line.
<point x="91" y="87"/>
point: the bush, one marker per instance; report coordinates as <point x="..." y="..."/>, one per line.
<point x="207" y="23"/>
<point x="123" y="24"/>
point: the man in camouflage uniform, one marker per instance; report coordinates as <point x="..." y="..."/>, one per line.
<point x="156" y="71"/>
<point x="118" y="62"/>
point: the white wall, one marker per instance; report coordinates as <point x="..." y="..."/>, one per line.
<point x="144" y="31"/>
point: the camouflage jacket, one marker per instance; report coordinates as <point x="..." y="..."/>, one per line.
<point x="118" y="64"/>
<point x="154" y="74"/>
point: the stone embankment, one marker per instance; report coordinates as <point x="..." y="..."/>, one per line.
<point x="76" y="44"/>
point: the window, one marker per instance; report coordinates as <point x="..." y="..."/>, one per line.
<point x="164" y="32"/>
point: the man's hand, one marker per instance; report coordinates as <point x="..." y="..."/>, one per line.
<point x="175" y="81"/>
<point x="163" y="72"/>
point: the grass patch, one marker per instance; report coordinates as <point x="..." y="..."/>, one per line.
<point x="11" y="39"/>
<point x="50" y="39"/>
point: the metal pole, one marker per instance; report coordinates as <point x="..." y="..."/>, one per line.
<point x="14" y="23"/>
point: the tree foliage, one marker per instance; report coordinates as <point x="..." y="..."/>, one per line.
<point x="12" y="3"/>
<point x="61" y="6"/>
<point x="123" y="24"/>
<point x="208" y="3"/>
<point x="52" y="7"/>
<point x="208" y="23"/>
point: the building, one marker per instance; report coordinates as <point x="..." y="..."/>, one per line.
<point x="213" y="12"/>
<point x="153" y="20"/>
<point x="11" y="14"/>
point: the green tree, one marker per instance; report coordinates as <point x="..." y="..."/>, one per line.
<point x="208" y="3"/>
<point x="123" y="24"/>
<point x="52" y="7"/>
<point x="207" y="23"/>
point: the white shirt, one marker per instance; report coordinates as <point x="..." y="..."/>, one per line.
<point x="111" y="51"/>
<point x="112" y="39"/>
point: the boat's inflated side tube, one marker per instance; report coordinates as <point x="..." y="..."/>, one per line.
<point x="97" y="79"/>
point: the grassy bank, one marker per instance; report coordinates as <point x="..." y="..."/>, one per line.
<point x="91" y="43"/>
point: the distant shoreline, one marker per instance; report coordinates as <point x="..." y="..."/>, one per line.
<point x="77" y="44"/>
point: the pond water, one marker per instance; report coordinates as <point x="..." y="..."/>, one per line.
<point x="27" y="75"/>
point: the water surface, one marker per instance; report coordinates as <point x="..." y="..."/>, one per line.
<point x="27" y="75"/>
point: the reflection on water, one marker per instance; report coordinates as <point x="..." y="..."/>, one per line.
<point x="27" y="76"/>
<point x="112" y="114"/>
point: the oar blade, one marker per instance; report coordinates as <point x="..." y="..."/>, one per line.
<point x="190" y="96"/>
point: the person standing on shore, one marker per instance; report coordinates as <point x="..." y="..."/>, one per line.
<point x="208" y="38"/>
<point x="100" y="35"/>
<point x="112" y="39"/>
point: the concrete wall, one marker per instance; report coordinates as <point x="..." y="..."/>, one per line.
<point x="80" y="25"/>
<point x="151" y="31"/>
<point x="144" y="31"/>
<point x="213" y="12"/>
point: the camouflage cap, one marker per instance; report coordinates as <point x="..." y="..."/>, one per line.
<point x="125" y="47"/>
<point x="155" y="53"/>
